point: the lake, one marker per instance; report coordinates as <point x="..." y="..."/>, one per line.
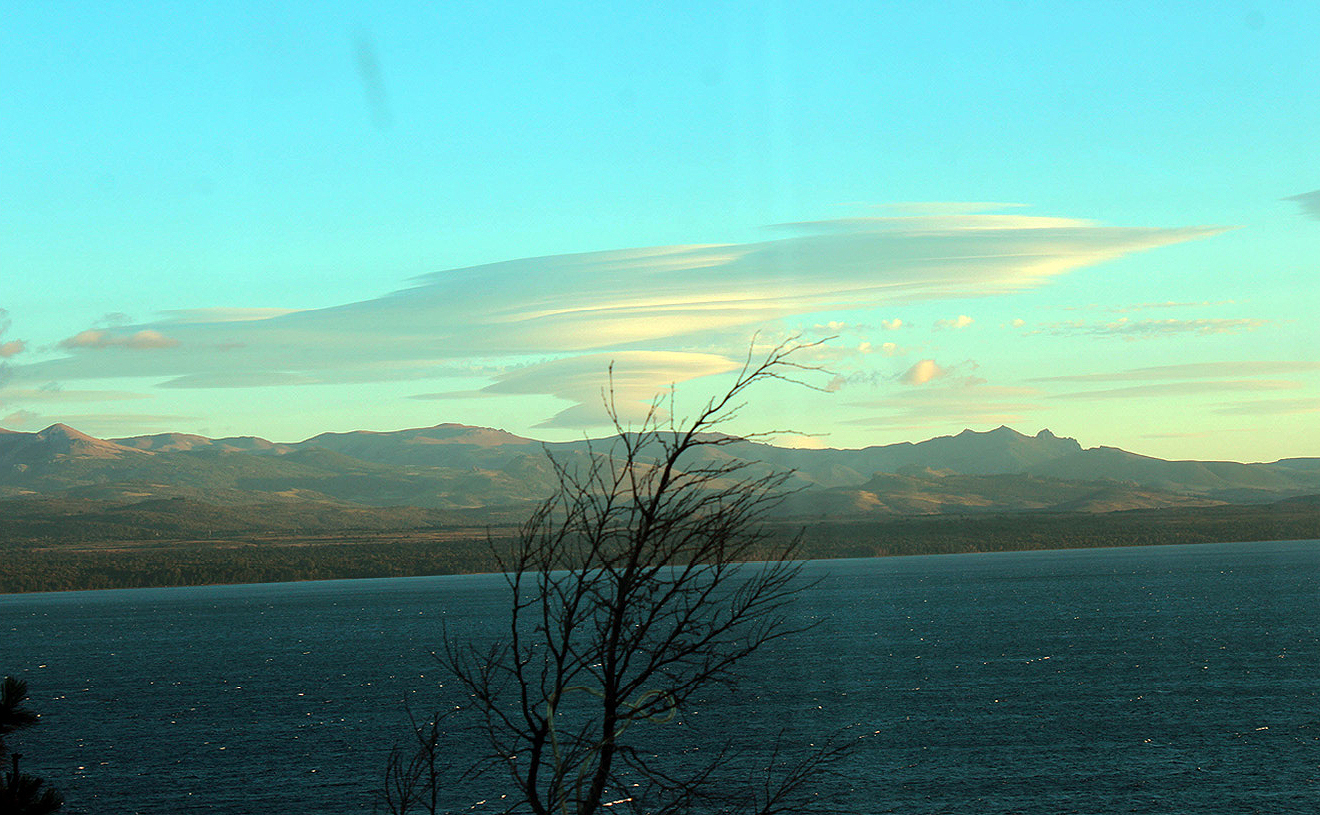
<point x="1177" y="679"/>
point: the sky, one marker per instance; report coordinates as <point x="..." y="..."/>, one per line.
<point x="280" y="219"/>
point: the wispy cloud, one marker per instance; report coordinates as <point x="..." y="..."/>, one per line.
<point x="630" y="383"/>
<point x="113" y="319"/>
<point x="660" y="299"/>
<point x="1171" y="304"/>
<point x="10" y="396"/>
<point x="1144" y="329"/>
<point x="97" y="424"/>
<point x="223" y="315"/>
<point x="1309" y="201"/>
<point x="1193" y="370"/>
<point x="1201" y="434"/>
<point x="946" y="207"/>
<point x="918" y="375"/>
<point x="965" y="402"/>
<point x="239" y="379"/>
<point x="1182" y="389"/>
<point x="1167" y="304"/>
<point x="1270" y="407"/>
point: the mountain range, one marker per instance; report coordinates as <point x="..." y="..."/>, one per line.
<point x="453" y="466"/>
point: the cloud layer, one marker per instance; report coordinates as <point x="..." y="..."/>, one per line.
<point x="670" y="305"/>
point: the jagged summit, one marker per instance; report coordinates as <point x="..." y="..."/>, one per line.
<point x="1006" y="432"/>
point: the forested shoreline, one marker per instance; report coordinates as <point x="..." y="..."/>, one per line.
<point x="91" y="547"/>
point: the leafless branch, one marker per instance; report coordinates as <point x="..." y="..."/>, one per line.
<point x="646" y="578"/>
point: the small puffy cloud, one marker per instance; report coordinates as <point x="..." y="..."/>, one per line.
<point x="891" y="325"/>
<point x="91" y="338"/>
<point x="97" y="339"/>
<point x="922" y="372"/>
<point x="888" y="349"/>
<point x="961" y="321"/>
<point x="1018" y="322"/>
<point x="1309" y="201"/>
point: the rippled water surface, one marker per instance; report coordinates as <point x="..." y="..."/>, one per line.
<point x="1179" y="679"/>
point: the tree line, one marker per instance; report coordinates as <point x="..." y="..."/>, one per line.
<point x="65" y="568"/>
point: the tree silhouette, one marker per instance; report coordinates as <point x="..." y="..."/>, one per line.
<point x="643" y="581"/>
<point x="20" y="793"/>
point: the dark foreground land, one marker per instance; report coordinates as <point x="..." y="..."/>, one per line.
<point x="74" y="545"/>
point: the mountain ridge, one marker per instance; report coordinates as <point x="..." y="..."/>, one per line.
<point x="455" y="466"/>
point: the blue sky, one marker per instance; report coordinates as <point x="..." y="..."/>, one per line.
<point x="284" y="218"/>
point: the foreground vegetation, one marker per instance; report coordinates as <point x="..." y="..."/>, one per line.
<point x="90" y="546"/>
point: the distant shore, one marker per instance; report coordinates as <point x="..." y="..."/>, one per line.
<point x="70" y="556"/>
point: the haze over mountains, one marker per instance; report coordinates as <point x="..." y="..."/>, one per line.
<point x="452" y="466"/>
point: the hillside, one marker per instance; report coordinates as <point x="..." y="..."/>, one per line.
<point x="457" y="467"/>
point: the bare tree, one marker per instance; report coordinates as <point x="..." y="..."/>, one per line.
<point x="641" y="583"/>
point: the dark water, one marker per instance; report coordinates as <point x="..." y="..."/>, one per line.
<point x="1152" y="680"/>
